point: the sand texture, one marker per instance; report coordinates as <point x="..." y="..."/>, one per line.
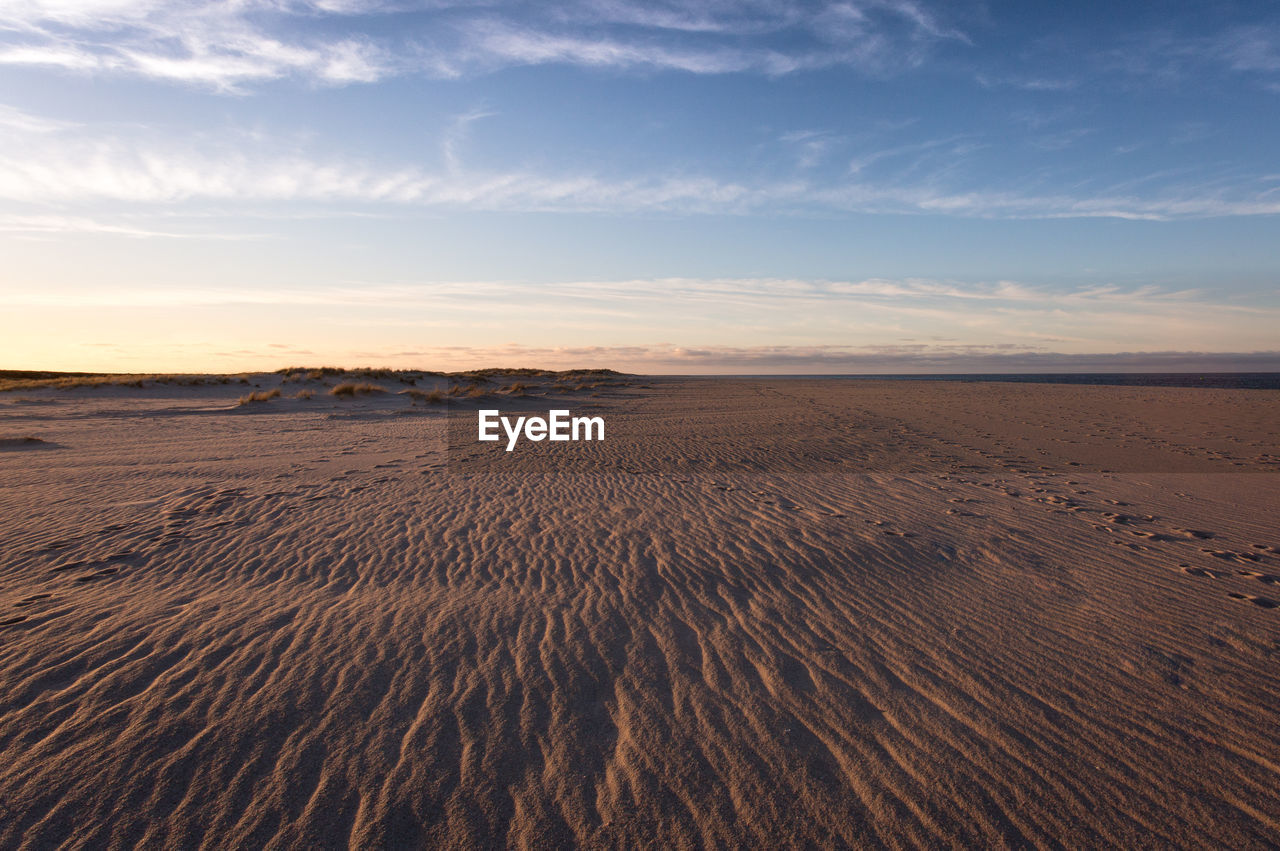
<point x="762" y="613"/>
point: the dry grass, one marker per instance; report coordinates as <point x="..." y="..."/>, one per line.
<point x="70" y="383"/>
<point x="351" y="389"/>
<point x="597" y="373"/>
<point x="304" y="394"/>
<point x="54" y="381"/>
<point x="432" y="397"/>
<point x="586" y="379"/>
<point x="259" y="396"/>
<point x="319" y="373"/>
<point x="517" y="389"/>
<point x="474" y="390"/>
<point x="309" y="373"/>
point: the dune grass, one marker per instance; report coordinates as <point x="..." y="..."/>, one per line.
<point x="74" y="381"/>
<point x="260" y="396"/>
<point x="350" y="389"/>
<point x="426" y="397"/>
<point x="469" y="380"/>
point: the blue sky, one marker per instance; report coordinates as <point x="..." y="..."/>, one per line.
<point x="671" y="187"/>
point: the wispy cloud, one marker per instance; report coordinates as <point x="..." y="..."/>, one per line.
<point x="455" y="135"/>
<point x="1252" y="49"/>
<point x="764" y="293"/>
<point x="220" y="45"/>
<point x="17" y="121"/>
<point x="684" y="324"/>
<point x="227" y="46"/>
<point x="951" y="148"/>
<point x="1027" y="82"/>
<point x="42" y="225"/>
<point x="1162" y="56"/>
<point x="81" y="168"/>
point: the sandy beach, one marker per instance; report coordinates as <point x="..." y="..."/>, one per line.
<point x="760" y="613"/>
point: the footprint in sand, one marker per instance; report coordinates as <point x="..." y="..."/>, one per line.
<point x="1264" y="602"/>
<point x="1267" y="578"/>
<point x="1126" y="519"/>
<point x="13" y="620"/>
<point x="31" y="600"/>
<point x="1231" y="556"/>
<point x="1200" y="571"/>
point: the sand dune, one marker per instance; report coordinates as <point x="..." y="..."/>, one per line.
<point x="759" y="614"/>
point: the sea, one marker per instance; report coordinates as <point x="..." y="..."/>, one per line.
<point x="1231" y="380"/>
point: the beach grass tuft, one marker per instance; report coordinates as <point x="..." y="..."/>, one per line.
<point x="350" y="389"/>
<point x="260" y="396"/>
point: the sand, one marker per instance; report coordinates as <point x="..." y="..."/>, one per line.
<point x="762" y="613"/>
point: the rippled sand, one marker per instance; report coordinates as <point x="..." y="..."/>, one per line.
<point x="760" y="614"/>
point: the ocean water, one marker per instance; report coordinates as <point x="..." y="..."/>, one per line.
<point x="1233" y="380"/>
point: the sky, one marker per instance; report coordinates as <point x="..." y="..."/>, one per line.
<point x="668" y="187"/>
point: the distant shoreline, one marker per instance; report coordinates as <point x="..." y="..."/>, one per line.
<point x="1221" y="380"/>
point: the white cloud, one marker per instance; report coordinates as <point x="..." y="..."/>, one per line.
<point x="48" y="224"/>
<point x="55" y="56"/>
<point x="915" y="324"/>
<point x="106" y="172"/>
<point x="501" y="44"/>
<point x="226" y="46"/>
<point x="47" y="161"/>
<point x="230" y="45"/>
<point x="759" y="292"/>
<point x="220" y="45"/>
<point x="17" y="121"/>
